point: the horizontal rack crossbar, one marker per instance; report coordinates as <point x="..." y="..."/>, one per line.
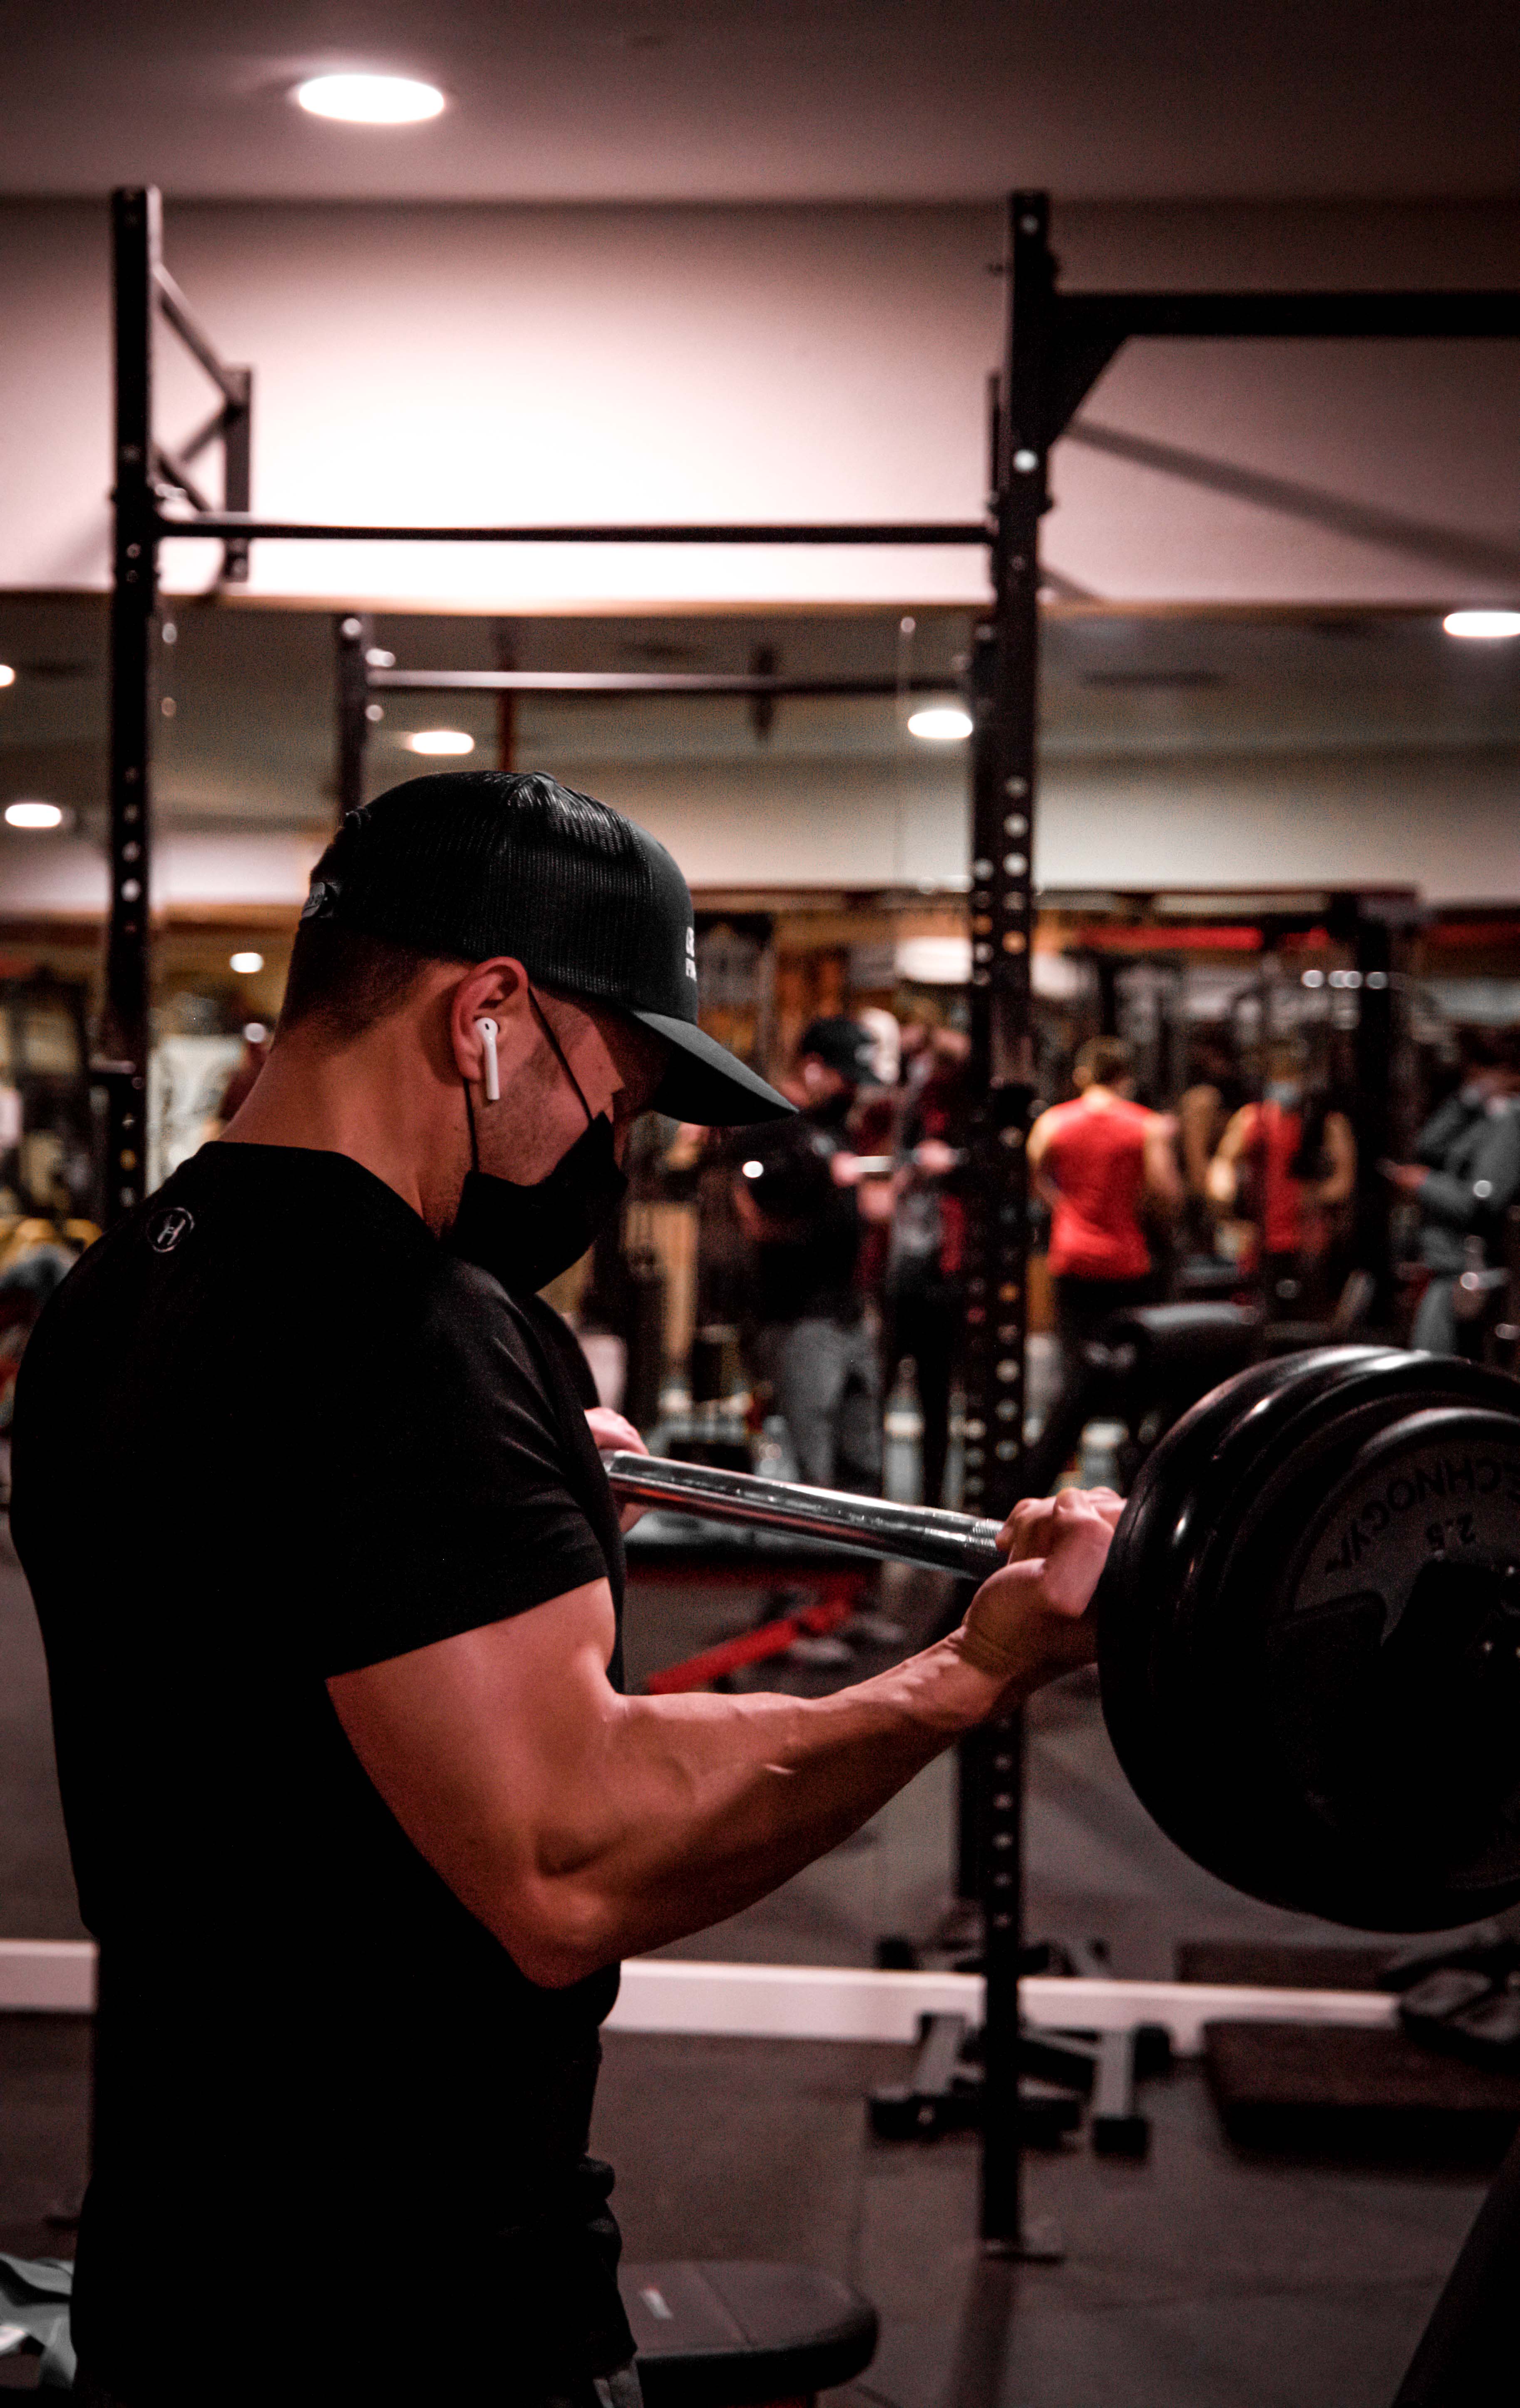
<point x="218" y="524"/>
<point x="1396" y="317"/>
<point x="635" y="682"/>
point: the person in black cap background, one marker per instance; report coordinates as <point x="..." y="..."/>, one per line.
<point x="1465" y="1176"/>
<point x="358" y="1810"/>
<point x="812" y="1340"/>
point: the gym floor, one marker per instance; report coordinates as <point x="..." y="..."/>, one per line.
<point x="1201" y="2279"/>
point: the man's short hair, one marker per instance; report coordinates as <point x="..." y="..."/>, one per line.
<point x="1104" y="1061"/>
<point x="347" y="978"/>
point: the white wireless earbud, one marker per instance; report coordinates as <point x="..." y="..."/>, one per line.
<point x="487" y="1029"/>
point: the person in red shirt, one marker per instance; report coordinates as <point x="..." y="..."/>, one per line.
<point x="1093" y="1160"/>
<point x="1301" y="1164"/>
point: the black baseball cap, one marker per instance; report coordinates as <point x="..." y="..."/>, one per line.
<point x="476" y="862"/>
<point x="841" y="1043"/>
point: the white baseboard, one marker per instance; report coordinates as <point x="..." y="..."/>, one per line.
<point x="674" y="1994"/>
<point x="48" y="1976"/>
<point x="679" y="1994"/>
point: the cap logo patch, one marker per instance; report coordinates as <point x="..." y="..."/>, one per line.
<point x="321" y="899"/>
<point x="691" y="954"/>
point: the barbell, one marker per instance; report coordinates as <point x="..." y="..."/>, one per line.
<point x="1307" y="1628"/>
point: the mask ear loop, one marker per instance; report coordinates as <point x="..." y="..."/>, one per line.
<point x="559" y="1055"/>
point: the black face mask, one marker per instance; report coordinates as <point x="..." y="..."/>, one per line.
<point x="524" y="1237"/>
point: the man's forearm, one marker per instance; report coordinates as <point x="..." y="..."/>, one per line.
<point x="578" y="1824"/>
<point x="705" y="1803"/>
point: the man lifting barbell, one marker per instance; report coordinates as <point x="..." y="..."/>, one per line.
<point x="330" y="1579"/>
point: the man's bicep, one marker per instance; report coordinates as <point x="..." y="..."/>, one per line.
<point x="475" y="1742"/>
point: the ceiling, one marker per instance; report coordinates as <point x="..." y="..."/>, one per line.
<point x="247" y="742"/>
<point x="773" y="100"/>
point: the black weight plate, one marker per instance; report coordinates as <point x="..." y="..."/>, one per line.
<point x="1214" y="1687"/>
<point x="1183" y="1493"/>
<point x="1227" y="1803"/>
<point x="1266" y="1477"/>
<point x="1413" y="1777"/>
<point x="1266" y="1474"/>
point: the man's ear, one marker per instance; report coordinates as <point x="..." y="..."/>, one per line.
<point x="495" y="990"/>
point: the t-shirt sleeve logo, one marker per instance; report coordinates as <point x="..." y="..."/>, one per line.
<point x="167" y="1228"/>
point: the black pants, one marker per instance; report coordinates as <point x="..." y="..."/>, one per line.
<point x="928" y="1326"/>
<point x="620" y="2390"/>
<point x="1083" y="1306"/>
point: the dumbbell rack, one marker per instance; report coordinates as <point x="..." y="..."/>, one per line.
<point x="1056" y="346"/>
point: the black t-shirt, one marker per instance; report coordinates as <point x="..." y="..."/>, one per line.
<point x="807" y="1269"/>
<point x="269" y="1430"/>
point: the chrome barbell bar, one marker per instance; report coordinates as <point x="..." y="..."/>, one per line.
<point x="873" y="1525"/>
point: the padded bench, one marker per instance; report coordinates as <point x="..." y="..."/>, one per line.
<point x="715" y="2333"/>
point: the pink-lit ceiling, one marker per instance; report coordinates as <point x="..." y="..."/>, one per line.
<point x="772" y="100"/>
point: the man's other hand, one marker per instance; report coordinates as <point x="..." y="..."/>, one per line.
<point x="1031" y="1622"/>
<point x="615" y="1436"/>
<point x="1408" y="1177"/>
<point x="935" y="1158"/>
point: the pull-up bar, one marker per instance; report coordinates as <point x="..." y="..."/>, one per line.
<point x="651" y="682"/>
<point x="225" y="523"/>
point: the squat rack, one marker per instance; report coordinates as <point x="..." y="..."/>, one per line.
<point x="1054" y="348"/>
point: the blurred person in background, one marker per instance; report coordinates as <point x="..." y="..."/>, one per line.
<point x="883" y="1033"/>
<point x="1095" y="1161"/>
<point x="918" y="1018"/>
<point x="925" y="1283"/>
<point x="874" y="1120"/>
<point x="1213" y="1095"/>
<point x="812" y="1340"/>
<point x="1288" y="1165"/>
<point x="1465" y="1176"/>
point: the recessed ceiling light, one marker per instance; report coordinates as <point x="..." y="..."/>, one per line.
<point x="440" y="739"/>
<point x="246" y="965"/>
<point x="34" y="815"/>
<point x="945" y="723"/>
<point x="8" y="675"/>
<point x="1482" y="625"/>
<point x="371" y="99"/>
